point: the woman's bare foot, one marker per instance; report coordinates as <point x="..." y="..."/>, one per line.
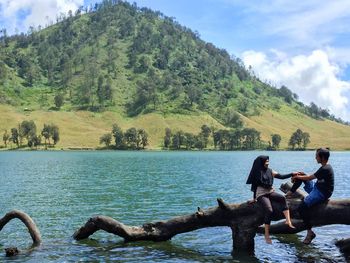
<point x="289" y="223"/>
<point x="268" y="240"/>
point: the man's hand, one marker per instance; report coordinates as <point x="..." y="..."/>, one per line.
<point x="296" y="175"/>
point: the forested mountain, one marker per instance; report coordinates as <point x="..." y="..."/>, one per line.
<point x="122" y="58"/>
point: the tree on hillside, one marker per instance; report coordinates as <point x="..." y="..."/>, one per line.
<point x="14" y="136"/>
<point x="100" y="91"/>
<point x="205" y="133"/>
<point x="55" y="134"/>
<point x="106" y="139"/>
<point x="66" y="72"/>
<point x="286" y="93"/>
<point x="243" y="105"/>
<point x="86" y="92"/>
<point x="142" y="139"/>
<point x="50" y="131"/>
<point x="27" y="129"/>
<point x="306" y="139"/>
<point x="276" y="139"/>
<point x="5" y="138"/>
<point x="59" y="99"/>
<point x="232" y="119"/>
<point x="34" y="140"/>
<point x="167" y="138"/>
<point x="118" y="136"/>
<point x="199" y="142"/>
<point x="3" y="71"/>
<point x="131" y="138"/>
<point x="189" y="140"/>
<point x="177" y="140"/>
<point x="46" y="132"/>
<point x="297" y="139"/>
<point x="49" y="59"/>
<point x="104" y="91"/>
<point x="194" y="94"/>
<point x="251" y="138"/>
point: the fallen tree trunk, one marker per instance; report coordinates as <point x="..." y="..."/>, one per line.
<point x="27" y="220"/>
<point x="222" y="215"/>
<point x="244" y="220"/>
<point x="344" y="246"/>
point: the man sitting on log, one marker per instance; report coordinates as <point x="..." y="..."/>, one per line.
<point x="319" y="192"/>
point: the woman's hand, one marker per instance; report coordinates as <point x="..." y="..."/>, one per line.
<point x="297" y="175"/>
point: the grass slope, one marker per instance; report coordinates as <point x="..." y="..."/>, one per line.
<point x="83" y="129"/>
<point x="285" y="121"/>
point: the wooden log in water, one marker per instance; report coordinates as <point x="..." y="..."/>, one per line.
<point x="27" y="220"/>
<point x="244" y="219"/>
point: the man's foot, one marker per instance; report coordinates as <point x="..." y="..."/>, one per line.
<point x="268" y="240"/>
<point x="289" y="223"/>
<point x="309" y="238"/>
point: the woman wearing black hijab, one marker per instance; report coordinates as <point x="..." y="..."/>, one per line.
<point x="261" y="179"/>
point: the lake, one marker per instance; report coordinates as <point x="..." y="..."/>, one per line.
<point x="62" y="190"/>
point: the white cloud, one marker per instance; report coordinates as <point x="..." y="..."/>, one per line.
<point x="20" y="14"/>
<point x="313" y="77"/>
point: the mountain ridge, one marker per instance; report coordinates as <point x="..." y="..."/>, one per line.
<point x="135" y="62"/>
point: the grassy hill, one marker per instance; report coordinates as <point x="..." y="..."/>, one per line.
<point x="82" y="129"/>
<point x="139" y="68"/>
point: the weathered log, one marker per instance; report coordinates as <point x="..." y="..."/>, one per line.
<point x="230" y="215"/>
<point x="27" y="220"/>
<point x="244" y="220"/>
<point x="344" y="246"/>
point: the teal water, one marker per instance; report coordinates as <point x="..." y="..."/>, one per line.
<point x="62" y="190"/>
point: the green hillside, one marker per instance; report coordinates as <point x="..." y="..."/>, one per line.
<point x="139" y="68"/>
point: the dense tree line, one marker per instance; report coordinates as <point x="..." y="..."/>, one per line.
<point x="25" y="134"/>
<point x="131" y="139"/>
<point x="234" y="139"/>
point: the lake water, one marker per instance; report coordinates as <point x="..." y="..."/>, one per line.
<point x="62" y="190"/>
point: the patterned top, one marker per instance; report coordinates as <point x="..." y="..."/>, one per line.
<point x="260" y="191"/>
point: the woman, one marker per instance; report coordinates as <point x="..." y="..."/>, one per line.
<point x="261" y="179"/>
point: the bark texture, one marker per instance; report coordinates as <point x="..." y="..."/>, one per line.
<point x="27" y="220"/>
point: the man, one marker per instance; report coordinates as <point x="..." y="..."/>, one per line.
<point x="319" y="192"/>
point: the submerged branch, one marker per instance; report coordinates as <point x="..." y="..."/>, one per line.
<point x="27" y="220"/>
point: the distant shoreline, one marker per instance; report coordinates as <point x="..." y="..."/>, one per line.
<point x="88" y="149"/>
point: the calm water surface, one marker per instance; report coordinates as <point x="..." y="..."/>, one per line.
<point x="61" y="190"/>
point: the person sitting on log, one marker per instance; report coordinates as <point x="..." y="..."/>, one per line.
<point x="318" y="192"/>
<point x="261" y="178"/>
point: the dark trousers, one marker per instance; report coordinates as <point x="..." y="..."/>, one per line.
<point x="315" y="197"/>
<point x="265" y="201"/>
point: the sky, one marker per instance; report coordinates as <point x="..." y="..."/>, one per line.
<point x="304" y="45"/>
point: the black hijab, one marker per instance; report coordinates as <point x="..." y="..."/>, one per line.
<point x="260" y="175"/>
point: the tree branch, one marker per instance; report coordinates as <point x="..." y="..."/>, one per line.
<point x="27" y="220"/>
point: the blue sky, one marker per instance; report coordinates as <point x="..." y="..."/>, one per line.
<point x="304" y="45"/>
